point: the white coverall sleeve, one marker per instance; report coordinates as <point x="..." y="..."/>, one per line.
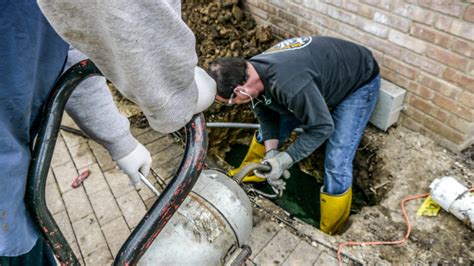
<point x="143" y="47"/>
<point x="93" y="109"/>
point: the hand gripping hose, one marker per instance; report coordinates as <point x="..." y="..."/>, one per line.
<point x="260" y="167"/>
<point x="159" y="214"/>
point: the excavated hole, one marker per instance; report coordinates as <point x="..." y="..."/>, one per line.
<point x="301" y="197"/>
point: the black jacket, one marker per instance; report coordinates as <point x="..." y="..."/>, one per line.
<point x="306" y="77"/>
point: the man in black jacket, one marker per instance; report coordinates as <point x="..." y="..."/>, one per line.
<point x="324" y="85"/>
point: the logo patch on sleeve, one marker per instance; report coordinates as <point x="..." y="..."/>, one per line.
<point x="290" y="44"/>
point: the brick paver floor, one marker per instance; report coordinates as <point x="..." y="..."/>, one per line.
<point x="98" y="216"/>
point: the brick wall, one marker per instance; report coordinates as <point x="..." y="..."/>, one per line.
<point x="424" y="46"/>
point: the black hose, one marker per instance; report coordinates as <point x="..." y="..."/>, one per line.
<point x="74" y="131"/>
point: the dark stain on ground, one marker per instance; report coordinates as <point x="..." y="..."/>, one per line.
<point x="301" y="197"/>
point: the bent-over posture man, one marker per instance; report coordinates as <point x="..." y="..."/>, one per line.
<point x="324" y="85"/>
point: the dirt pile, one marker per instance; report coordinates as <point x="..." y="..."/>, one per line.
<point x="223" y="29"/>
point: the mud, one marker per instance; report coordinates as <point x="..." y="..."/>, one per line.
<point x="405" y="163"/>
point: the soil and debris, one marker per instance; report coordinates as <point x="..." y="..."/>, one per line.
<point x="389" y="166"/>
<point x="224" y="29"/>
<point x="404" y="163"/>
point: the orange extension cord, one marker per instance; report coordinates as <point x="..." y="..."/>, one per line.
<point x="395" y="242"/>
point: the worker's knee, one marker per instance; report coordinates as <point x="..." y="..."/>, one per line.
<point x="337" y="181"/>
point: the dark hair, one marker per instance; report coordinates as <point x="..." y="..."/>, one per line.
<point x="228" y="72"/>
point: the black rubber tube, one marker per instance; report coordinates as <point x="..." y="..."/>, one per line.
<point x="41" y="159"/>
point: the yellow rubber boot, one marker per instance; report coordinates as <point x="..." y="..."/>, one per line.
<point x="334" y="211"/>
<point x="255" y="154"/>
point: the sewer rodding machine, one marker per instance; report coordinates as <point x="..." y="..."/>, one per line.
<point x="202" y="217"/>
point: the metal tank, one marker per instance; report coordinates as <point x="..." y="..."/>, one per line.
<point x="209" y="228"/>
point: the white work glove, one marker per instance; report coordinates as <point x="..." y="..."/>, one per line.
<point x="206" y="87"/>
<point x="279" y="163"/>
<point x="139" y="160"/>
<point x="270" y="154"/>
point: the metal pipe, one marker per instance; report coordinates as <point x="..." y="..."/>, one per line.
<point x="171" y="198"/>
<point x="241" y="125"/>
<point x="149" y="184"/>
<point x="41" y="159"/>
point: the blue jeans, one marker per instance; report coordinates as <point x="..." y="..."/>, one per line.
<point x="287" y="124"/>
<point x="350" y="119"/>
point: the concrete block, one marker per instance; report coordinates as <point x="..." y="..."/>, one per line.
<point x="149" y="136"/>
<point x="327" y="258"/>
<point x="53" y="198"/>
<point x="160" y="144"/>
<point x="64" y="175"/>
<point x="102" y="155"/>
<point x="62" y="220"/>
<point x="167" y="155"/>
<point x="82" y="155"/>
<point x="65" y="226"/>
<point x="278" y="249"/>
<point x="77" y="204"/>
<point x="101" y="256"/>
<point x="304" y="254"/>
<point x="50" y="179"/>
<point x="89" y="235"/>
<point x="104" y="205"/>
<point x="75" y="248"/>
<point x="96" y="180"/>
<point x="145" y="193"/>
<point x="132" y="207"/>
<point x="118" y="182"/>
<point x="61" y="153"/>
<point x="261" y="235"/>
<point x="389" y="105"/>
<point x="67" y="121"/>
<point x="71" y="139"/>
<point x="116" y="232"/>
<point x="165" y="171"/>
<point x="149" y="202"/>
